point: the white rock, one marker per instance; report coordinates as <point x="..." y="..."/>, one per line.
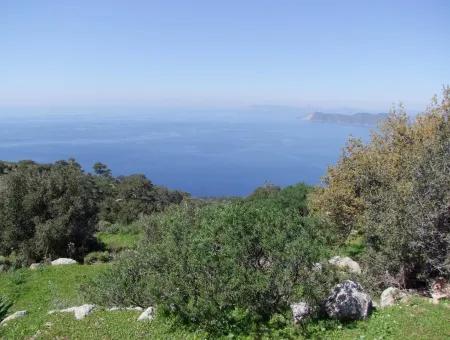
<point x="390" y="296"/>
<point x="16" y="315"/>
<point x="300" y="311"/>
<point x="35" y="266"/>
<point x="317" y="267"/>
<point x="139" y="309"/>
<point x="63" y="261"/>
<point x="348" y="302"/>
<point x="147" y="315"/>
<point x="347" y="263"/>
<point x="80" y="312"/>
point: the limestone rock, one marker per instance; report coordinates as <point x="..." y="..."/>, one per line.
<point x="346" y="263"/>
<point x="300" y="311"/>
<point x="390" y="296"/>
<point x="16" y="315"/>
<point x="348" y="301"/>
<point x="63" y="261"/>
<point x="80" y="312"/>
<point x="35" y="266"/>
<point x="112" y="309"/>
<point x="147" y="315"/>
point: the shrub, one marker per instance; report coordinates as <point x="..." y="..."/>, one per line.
<point x="47" y="211"/>
<point x="222" y="266"/>
<point x="97" y="257"/>
<point x="127" y="198"/>
<point x="396" y="191"/>
<point x="125" y="284"/>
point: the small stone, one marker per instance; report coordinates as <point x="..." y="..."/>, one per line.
<point x="300" y="311"/>
<point x="80" y="312"/>
<point x="390" y="296"/>
<point x="346" y="263"/>
<point x="16" y="315"/>
<point x="147" y="315"/>
<point x="35" y="266"/>
<point x="317" y="267"/>
<point x="113" y="309"/>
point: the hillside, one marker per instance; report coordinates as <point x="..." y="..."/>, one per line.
<point x="91" y="255"/>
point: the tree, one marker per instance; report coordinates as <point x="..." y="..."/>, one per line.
<point x="396" y="191"/>
<point x="47" y="211"/>
<point x="101" y="169"/>
<point x="223" y="265"/>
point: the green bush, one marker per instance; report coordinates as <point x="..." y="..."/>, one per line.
<point x="47" y="211"/>
<point x="223" y="266"/>
<point x="127" y="198"/>
<point x="97" y="257"/>
<point x="125" y="284"/>
<point x="395" y="190"/>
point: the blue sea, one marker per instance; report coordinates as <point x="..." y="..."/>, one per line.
<point x="213" y="153"/>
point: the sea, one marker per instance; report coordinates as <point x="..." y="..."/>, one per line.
<point x="206" y="153"/>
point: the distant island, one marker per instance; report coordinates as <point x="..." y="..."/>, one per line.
<point x="356" y="118"/>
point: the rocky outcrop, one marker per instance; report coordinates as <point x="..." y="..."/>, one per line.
<point x="348" y="301"/>
<point x="147" y="315"/>
<point x="14" y="316"/>
<point x="346" y="263"/>
<point x="300" y="311"/>
<point x="80" y="312"/>
<point x="391" y="296"/>
<point x="63" y="261"/>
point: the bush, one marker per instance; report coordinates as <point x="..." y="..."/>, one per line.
<point x="97" y="257"/>
<point x="125" y="284"/>
<point x="47" y="211"/>
<point x="222" y="266"/>
<point x="127" y="198"/>
<point x="396" y="191"/>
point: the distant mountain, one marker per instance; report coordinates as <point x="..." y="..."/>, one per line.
<point x="353" y="119"/>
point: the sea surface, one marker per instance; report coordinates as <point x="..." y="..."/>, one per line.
<point x="216" y="154"/>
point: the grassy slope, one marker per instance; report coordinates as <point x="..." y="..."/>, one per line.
<point x="56" y="287"/>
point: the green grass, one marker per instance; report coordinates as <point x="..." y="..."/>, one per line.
<point x="417" y="319"/>
<point x="57" y="287"/>
<point x="119" y="241"/>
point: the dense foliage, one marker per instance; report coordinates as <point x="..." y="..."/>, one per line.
<point x="126" y="198"/>
<point x="47" y="211"/>
<point x="396" y="191"/>
<point x="52" y="210"/>
<point x="219" y="265"/>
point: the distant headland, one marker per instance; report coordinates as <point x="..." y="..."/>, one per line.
<point x="356" y="118"/>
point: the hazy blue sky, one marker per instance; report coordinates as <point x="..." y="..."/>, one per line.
<point x="223" y="53"/>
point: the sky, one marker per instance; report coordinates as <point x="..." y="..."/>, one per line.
<point x="365" y="54"/>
